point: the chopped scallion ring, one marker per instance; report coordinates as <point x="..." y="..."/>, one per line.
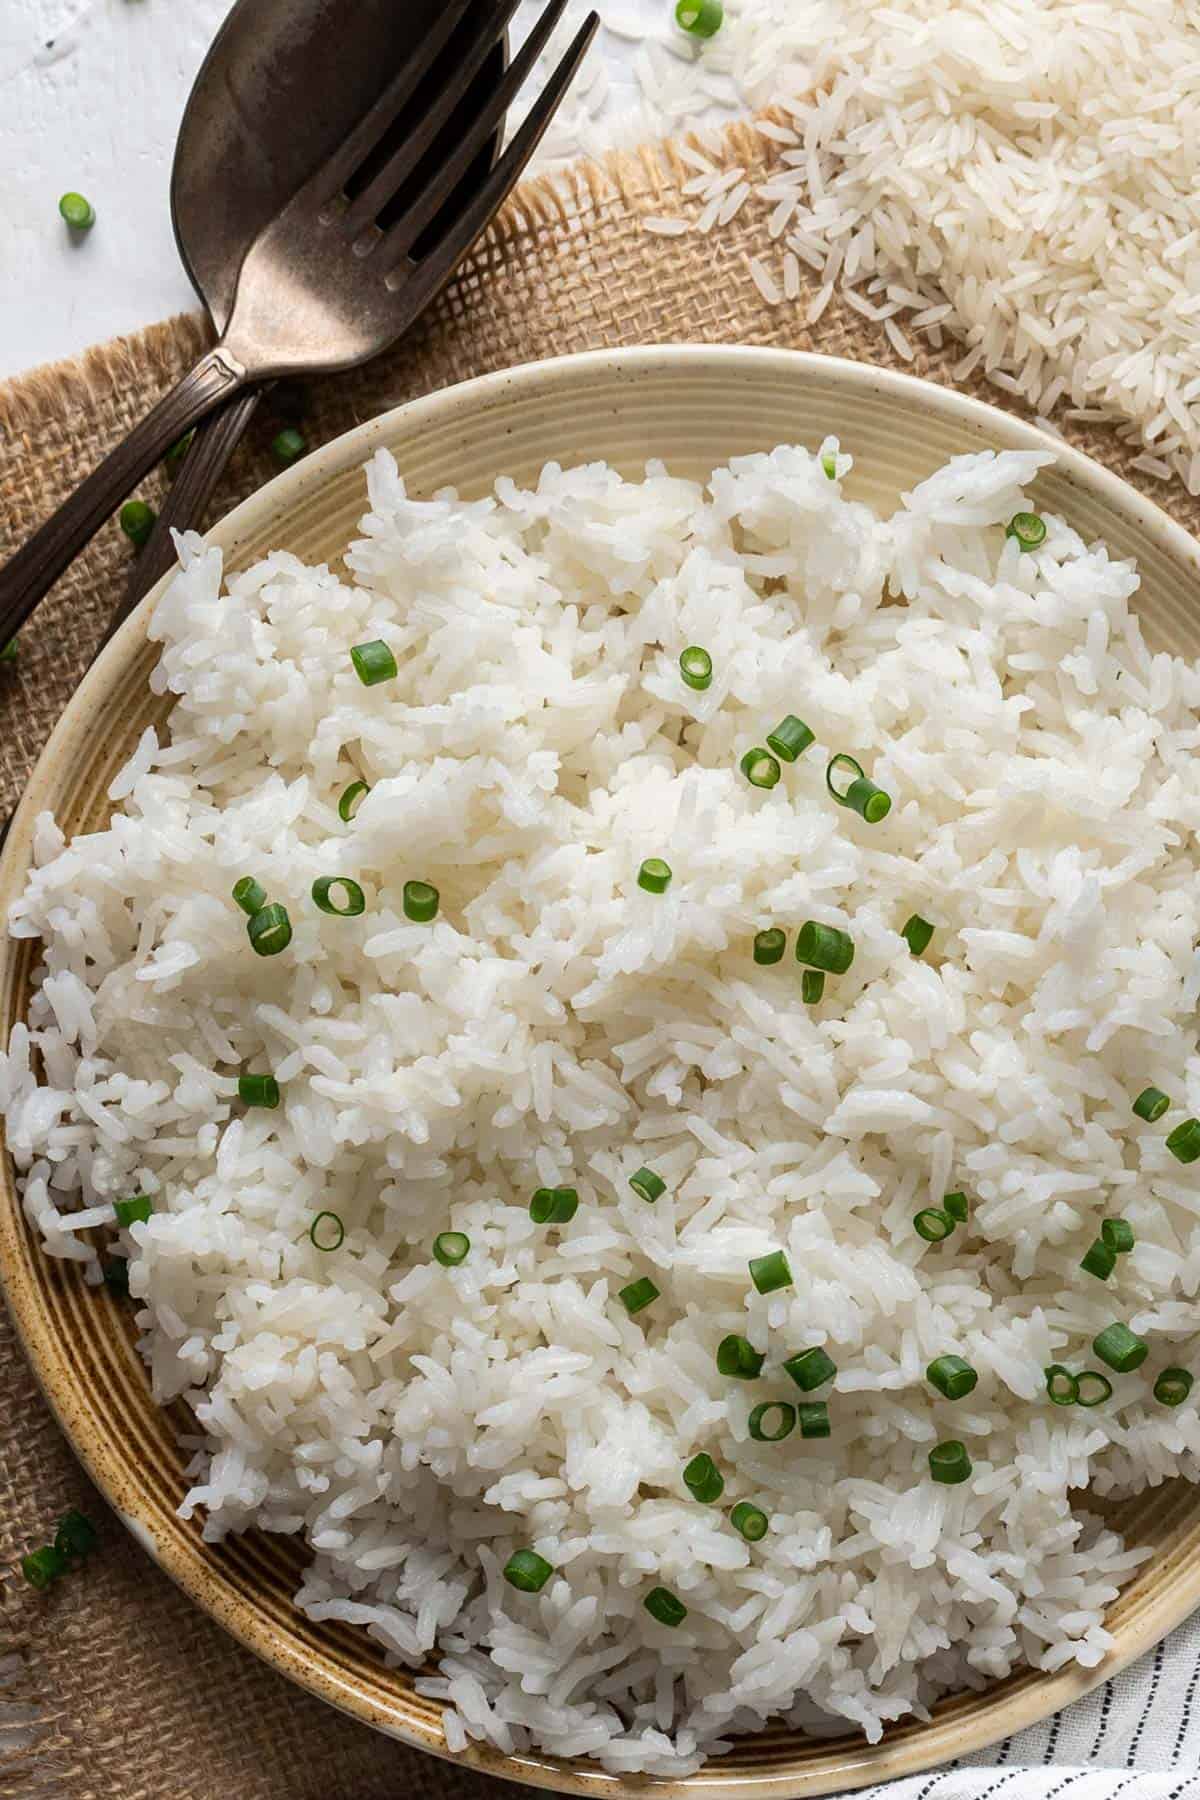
<point x="790" y="738"/>
<point x="700" y="18"/>
<point x="351" y="799"/>
<point x="527" y="1571"/>
<point x="1184" y="1141"/>
<point x="133" y="1212"/>
<point x="1029" y="529"/>
<point x="917" y="933"/>
<point x="354" y="901"/>
<point x="812" y="986"/>
<point x="420" y="900"/>
<point x="269" y="930"/>
<point x="288" y="446"/>
<point x="951" y="1376"/>
<point x="949" y="1462"/>
<point x="824" y="947"/>
<point x="1151" y="1104"/>
<point x="136" y="520"/>
<point x="41" y="1567"/>
<point x="250" y="895"/>
<point x="737" y="1357"/>
<point x="696" y="669"/>
<point x="769" y="946"/>
<point x="956" y="1205"/>
<point x="749" y="1520"/>
<point x="1092" y="1388"/>
<point x="75" y="1535"/>
<point x="811" y="1369"/>
<point x="450" y="1248"/>
<point x="1120" y="1348"/>
<point x="703" y="1480"/>
<point x="932" y="1224"/>
<point x="1098" y="1260"/>
<point x="760" y="768"/>
<point x="771" y="1272"/>
<point x="1061" y="1386"/>
<point x="862" y="796"/>
<point x="80" y="214"/>
<point x="654" y="876"/>
<point x="814" y="1419"/>
<point x="1172" y="1386"/>
<point x="326" y="1232"/>
<point x="637" y="1295"/>
<point x="771" y="1421"/>
<point x="829" y="465"/>
<point x="664" y="1606"/>
<point x="1118" y="1235"/>
<point x="647" y="1185"/>
<point x="554" y="1206"/>
<point x="373" y="662"/>
<point x="258" y="1090"/>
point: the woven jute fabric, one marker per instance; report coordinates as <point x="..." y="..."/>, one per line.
<point x="116" y="1687"/>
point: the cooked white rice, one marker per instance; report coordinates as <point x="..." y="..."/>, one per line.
<point x="556" y="1024"/>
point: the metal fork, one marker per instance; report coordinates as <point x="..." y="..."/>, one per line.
<point x="337" y="275"/>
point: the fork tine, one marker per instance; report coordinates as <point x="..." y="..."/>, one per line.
<point x="401" y="236"/>
<point x="358" y="144"/>
<point x="487" y="24"/>
<point x="439" y="265"/>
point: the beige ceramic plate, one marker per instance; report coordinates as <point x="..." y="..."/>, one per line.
<point x="694" y="408"/>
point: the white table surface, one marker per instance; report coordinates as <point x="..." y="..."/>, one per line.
<point x="91" y="93"/>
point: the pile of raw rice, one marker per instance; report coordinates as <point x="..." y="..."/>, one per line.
<point x="557" y="1025"/>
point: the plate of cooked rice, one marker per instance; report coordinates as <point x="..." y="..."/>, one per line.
<point x="598" y="1068"/>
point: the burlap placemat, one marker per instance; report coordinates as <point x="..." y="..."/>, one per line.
<point x="131" y="1693"/>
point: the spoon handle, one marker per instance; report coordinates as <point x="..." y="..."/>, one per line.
<point x="38" y="564"/>
<point x="216" y="439"/>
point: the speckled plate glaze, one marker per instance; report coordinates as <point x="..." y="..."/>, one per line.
<point x="692" y="407"/>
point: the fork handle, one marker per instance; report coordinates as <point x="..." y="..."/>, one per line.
<point x="39" y="563"/>
<point x="216" y="439"/>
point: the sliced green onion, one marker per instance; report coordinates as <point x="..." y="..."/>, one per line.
<point x="829" y="464"/>
<point x="771" y="1421"/>
<point x="760" y="768"/>
<point x="288" y="446"/>
<point x="749" y="1520"/>
<point x="79" y="213"/>
<point x="956" y="1205"/>
<point x="811" y="1369"/>
<point x="1098" y="1260"/>
<point x="812" y="986"/>
<point x="528" y="1571"/>
<point x="814" y="1419"/>
<point x="637" y="1295"/>
<point x="1184" y="1141"/>
<point x="373" y="662"/>
<point x="737" y="1357"/>
<point x="790" y="738"/>
<point x="43" y="1566"/>
<point x="660" y="1602"/>
<point x="695" y="666"/>
<point x="136" y="520"/>
<point x="932" y="1224"/>
<point x="116" y="1277"/>
<point x="1029" y="529"/>
<point x="450" y="1248"/>
<point x="250" y="895"/>
<point x="951" y="1376"/>
<point x="1151" y="1104"/>
<point x="420" y="900"/>
<point x="771" y="1272"/>
<point x="133" y="1212"/>
<point x="258" y="1090"/>
<point x="270" y="930"/>
<point x="702" y="18"/>
<point x="769" y="946"/>
<point x="654" y="875"/>
<point x="326" y="1232"/>
<point x="949" y="1462"/>
<point x="1120" y="1348"/>
<point x="703" y="1479"/>
<point x="1118" y="1235"/>
<point x="1092" y="1388"/>
<point x="554" y="1206"/>
<point x="647" y="1185"/>
<point x="1172" y="1386"/>
<point x="351" y="799"/>
<point x="824" y="947"/>
<point x="917" y="933"/>
<point x="75" y="1535"/>
<point x="862" y="796"/>
<point x="1061" y="1386"/>
<point x="174" y="457"/>
<point x="9" y="652"/>
<point x="354" y="901"/>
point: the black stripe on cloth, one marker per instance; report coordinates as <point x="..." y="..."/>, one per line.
<point x="1144" y="1714"/>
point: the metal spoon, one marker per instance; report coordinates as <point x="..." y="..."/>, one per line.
<point x="347" y="264"/>
<point x="239" y="157"/>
